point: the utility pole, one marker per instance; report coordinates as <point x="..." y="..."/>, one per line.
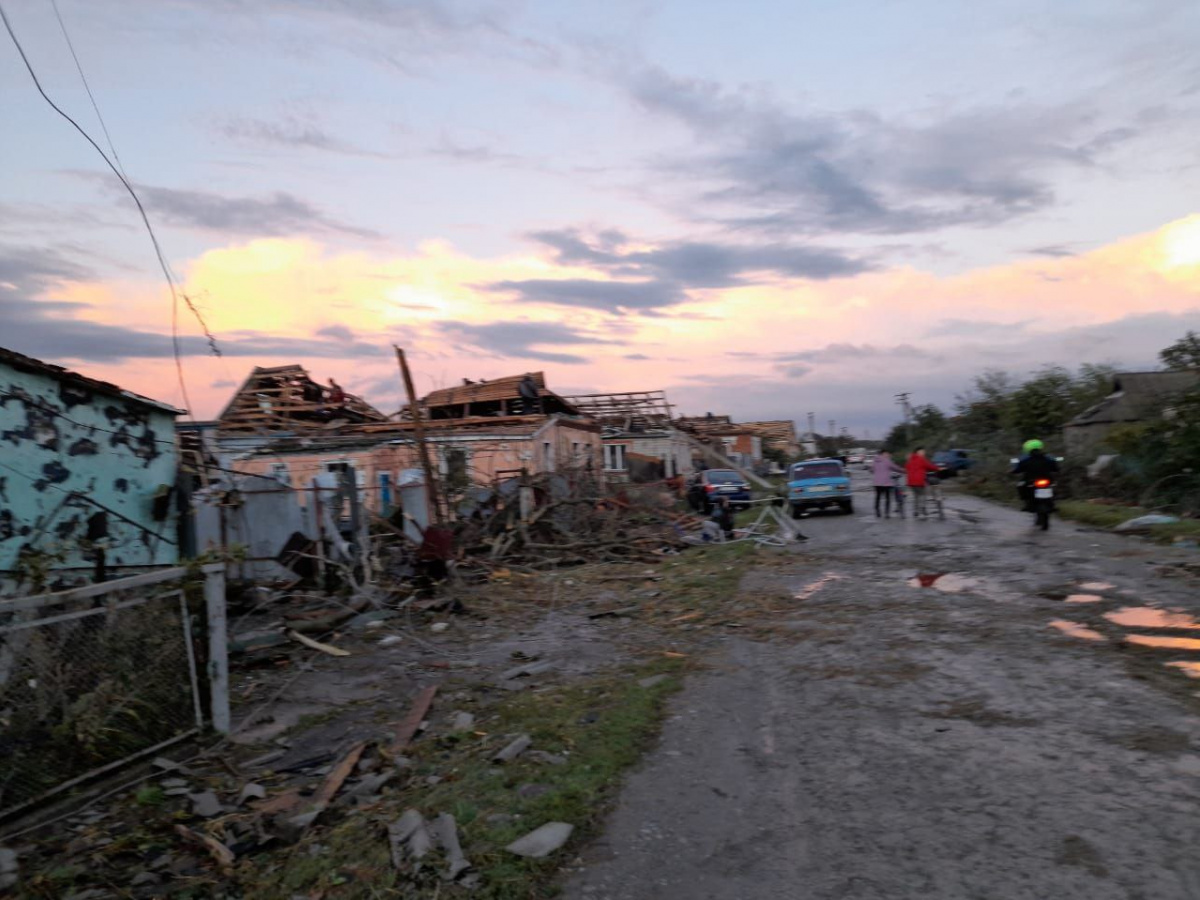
<point x="812" y="426"/>
<point x="902" y="400"/>
<point x="419" y="434"/>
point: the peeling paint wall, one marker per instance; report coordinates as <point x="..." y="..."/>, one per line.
<point x="86" y="477"/>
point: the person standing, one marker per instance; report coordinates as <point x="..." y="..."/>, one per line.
<point x="881" y="477"/>
<point x="918" y="468"/>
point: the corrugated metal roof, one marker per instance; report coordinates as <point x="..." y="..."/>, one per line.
<point x="24" y="363"/>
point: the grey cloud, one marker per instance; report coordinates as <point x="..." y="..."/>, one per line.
<point x="782" y="171"/>
<point x="338" y="332"/>
<point x="795" y="370"/>
<point x="610" y="296"/>
<point x="275" y="215"/>
<point x="844" y="352"/>
<point x="290" y="131"/>
<point x="698" y="264"/>
<point x="28" y="271"/>
<point x="519" y="339"/>
<point x="978" y="328"/>
<point x="1054" y="251"/>
<point x="636" y="357"/>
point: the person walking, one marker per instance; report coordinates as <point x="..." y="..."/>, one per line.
<point x="881" y="476"/>
<point x="918" y="468"/>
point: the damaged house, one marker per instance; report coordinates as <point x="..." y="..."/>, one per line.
<point x="479" y="433"/>
<point x="778" y="437"/>
<point x="1136" y="397"/>
<point x="87" y="473"/>
<point x="741" y="444"/>
<point x="641" y="443"/>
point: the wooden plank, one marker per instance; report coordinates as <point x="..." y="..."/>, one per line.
<point x="411" y="722"/>
<point x="336" y="778"/>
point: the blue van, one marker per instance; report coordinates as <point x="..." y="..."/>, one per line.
<point x="818" y="484"/>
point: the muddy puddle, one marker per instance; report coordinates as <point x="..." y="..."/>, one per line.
<point x="1148" y="617"/>
<point x="1095" y="586"/>
<point x="1075" y="630"/>
<point x="1191" y="669"/>
<point x="1083" y="598"/>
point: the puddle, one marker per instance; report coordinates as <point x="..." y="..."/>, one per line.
<point x="1146" y="617"/>
<point x="1074" y="629"/>
<point x="1166" y="643"/>
<point x="926" y="580"/>
<point x="1084" y="598"/>
<point x="947" y="582"/>
<point x="1191" y="669"/>
<point x="1095" y="586"/>
<point x="811" y="589"/>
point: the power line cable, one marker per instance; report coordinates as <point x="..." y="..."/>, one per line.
<point x="162" y="261"/>
<point x="82" y="77"/>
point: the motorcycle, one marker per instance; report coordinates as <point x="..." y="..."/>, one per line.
<point x="1039" y="500"/>
<point x="1043" y="502"/>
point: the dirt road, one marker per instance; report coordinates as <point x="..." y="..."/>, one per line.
<point x="898" y="741"/>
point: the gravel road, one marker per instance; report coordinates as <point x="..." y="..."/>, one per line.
<point x="897" y="741"/>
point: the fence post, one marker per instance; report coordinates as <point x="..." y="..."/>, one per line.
<point x="218" y="649"/>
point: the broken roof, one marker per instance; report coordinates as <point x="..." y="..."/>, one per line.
<point x="779" y="431"/>
<point x="1136" y="396"/>
<point x="491" y="397"/>
<point x="285" y="398"/>
<point x="630" y="411"/>
<point x="23" y="363"/>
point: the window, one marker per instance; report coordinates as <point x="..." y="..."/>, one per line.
<point x="281" y="473"/>
<point x="548" y="455"/>
<point x="614" y="457"/>
<point x="455" y="468"/>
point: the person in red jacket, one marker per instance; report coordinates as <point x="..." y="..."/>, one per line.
<point x="917" y="470"/>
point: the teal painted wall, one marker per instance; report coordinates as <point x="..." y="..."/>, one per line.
<point x="79" y="472"/>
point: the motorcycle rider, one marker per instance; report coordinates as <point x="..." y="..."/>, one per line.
<point x="1033" y="465"/>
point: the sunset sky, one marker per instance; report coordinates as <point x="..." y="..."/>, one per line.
<point x="763" y="208"/>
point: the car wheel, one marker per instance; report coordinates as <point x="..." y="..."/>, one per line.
<point x="797" y="511"/>
<point x="847" y="507"/>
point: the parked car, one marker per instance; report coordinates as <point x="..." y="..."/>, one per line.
<point x="819" y="484"/>
<point x="710" y="484"/>
<point x="953" y="461"/>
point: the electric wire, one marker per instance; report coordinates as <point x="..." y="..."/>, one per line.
<point x="158" y="252"/>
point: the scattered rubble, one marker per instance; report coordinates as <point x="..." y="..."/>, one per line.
<point x="513" y="749"/>
<point x="543" y="841"/>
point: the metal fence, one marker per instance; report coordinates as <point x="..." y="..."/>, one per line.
<point x="96" y="677"/>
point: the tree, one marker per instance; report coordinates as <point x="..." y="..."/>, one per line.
<point x="1183" y="354"/>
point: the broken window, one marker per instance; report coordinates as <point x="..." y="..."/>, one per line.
<point x="614" y="457"/>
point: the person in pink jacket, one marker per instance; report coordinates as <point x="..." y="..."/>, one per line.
<point x="881" y="477"/>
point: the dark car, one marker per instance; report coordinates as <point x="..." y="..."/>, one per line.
<point x="953" y="461"/>
<point x="714" y="483"/>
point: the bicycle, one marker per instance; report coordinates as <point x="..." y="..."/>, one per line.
<point x="933" y="496"/>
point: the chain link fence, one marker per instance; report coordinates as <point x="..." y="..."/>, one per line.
<point x="93" y="678"/>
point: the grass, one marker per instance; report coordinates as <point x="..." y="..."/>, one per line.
<point x="1102" y="515"/>
<point x="600" y="726"/>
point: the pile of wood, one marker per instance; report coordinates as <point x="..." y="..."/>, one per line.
<point x="544" y="524"/>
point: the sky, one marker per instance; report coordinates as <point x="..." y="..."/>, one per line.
<point x="765" y="209"/>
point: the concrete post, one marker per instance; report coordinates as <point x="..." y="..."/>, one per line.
<point x="218" y="649"/>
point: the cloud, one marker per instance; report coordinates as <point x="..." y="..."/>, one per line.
<point x="610" y="296"/>
<point x="636" y="357"/>
<point x="698" y="264"/>
<point x="275" y="215"/>
<point x="291" y="132"/>
<point x="518" y="339"/>
<point x="978" y="328"/>
<point x="768" y="167"/>
<point x="1054" y="251"/>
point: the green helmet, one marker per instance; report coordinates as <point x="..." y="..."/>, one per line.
<point x="1030" y="446"/>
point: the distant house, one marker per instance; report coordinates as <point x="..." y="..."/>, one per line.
<point x="1136" y="397"/>
<point x="87" y="475"/>
<point x="641" y="443"/>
